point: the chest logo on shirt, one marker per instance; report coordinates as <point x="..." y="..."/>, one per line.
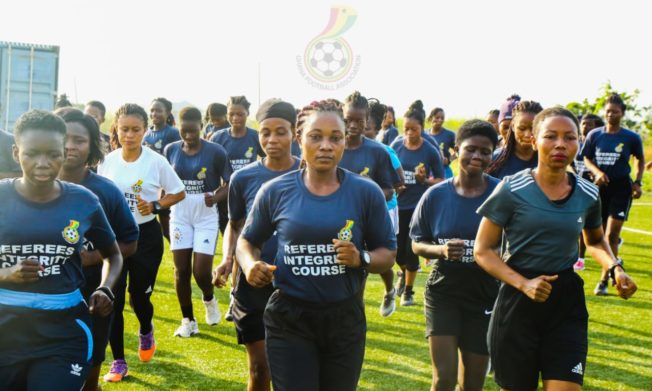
<point x="138" y="186"/>
<point x="619" y="147"/>
<point x="249" y="153"/>
<point x="365" y="172"/>
<point x="345" y="233"/>
<point x="158" y="144"/>
<point x="70" y="233"/>
<point x="202" y="174"/>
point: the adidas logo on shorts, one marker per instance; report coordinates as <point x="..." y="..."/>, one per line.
<point x="75" y="369"/>
<point x="579" y="220"/>
<point x="578" y="369"/>
<point x="621" y="214"/>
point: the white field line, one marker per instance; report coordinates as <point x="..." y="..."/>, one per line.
<point x="638" y="231"/>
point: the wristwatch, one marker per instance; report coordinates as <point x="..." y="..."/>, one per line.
<point x="612" y="269"/>
<point x="638" y="182"/>
<point x="365" y="259"/>
<point x="157" y="207"/>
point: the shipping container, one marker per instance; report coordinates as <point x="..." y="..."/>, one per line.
<point x="29" y="76"/>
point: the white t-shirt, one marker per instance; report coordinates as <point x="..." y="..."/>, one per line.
<point x="145" y="177"/>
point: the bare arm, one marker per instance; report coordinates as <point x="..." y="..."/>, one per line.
<point x="231" y="235"/>
<point x="258" y="273"/>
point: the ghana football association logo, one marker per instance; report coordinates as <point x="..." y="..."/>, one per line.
<point x="202" y="173"/>
<point x="250" y="153"/>
<point x="365" y="172"/>
<point x="70" y="233"/>
<point x="346" y="234"/>
<point x="619" y="148"/>
<point x="328" y="61"/>
<point x="138" y="186"/>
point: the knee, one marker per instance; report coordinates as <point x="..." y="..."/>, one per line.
<point x="259" y="372"/>
<point x="445" y="378"/>
<point x="203" y="278"/>
<point x="181" y="273"/>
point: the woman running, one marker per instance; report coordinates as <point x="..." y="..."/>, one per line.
<point x="47" y="342"/>
<point x="215" y="119"/>
<point x="388" y="132"/>
<point x="140" y="174"/>
<point x="315" y="319"/>
<point x="97" y="110"/>
<point x="517" y="154"/>
<point x="205" y="171"/>
<point x="606" y="153"/>
<point x="84" y="148"/>
<point x="277" y="120"/>
<point x="459" y="294"/>
<point x="422" y="168"/>
<point x="539" y="323"/>
<point x="445" y="138"/>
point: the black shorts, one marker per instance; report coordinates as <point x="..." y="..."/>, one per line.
<point x="550" y="338"/>
<point x="616" y="199"/>
<point x="248" y="308"/>
<point x="458" y="302"/>
<point x="404" y="254"/>
<point x="100" y="325"/>
<point x="44" y="349"/>
<point x="323" y="344"/>
<point x="142" y="266"/>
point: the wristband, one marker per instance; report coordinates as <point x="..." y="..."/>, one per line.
<point x="612" y="270"/>
<point x="107" y="291"/>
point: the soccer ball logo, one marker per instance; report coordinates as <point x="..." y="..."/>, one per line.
<point x="70" y="233"/>
<point x="177" y="235"/>
<point x="138" y="186"/>
<point x="202" y="174"/>
<point x="250" y="153"/>
<point x="328" y="60"/>
<point x="345" y="233"/>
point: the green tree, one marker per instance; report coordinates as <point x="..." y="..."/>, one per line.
<point x="637" y="118"/>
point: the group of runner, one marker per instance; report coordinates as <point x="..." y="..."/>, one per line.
<point x="309" y="205"/>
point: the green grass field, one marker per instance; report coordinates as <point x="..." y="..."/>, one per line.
<point x="397" y="358"/>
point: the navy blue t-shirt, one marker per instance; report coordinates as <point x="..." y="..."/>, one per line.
<point x="296" y="149"/>
<point x="242" y="150"/>
<point x="159" y="139"/>
<point x="513" y="164"/>
<point x="53" y="233"/>
<point x="242" y="191"/>
<point x="201" y="172"/>
<point x="426" y="155"/>
<point x="7" y="162"/>
<point x="442" y="215"/>
<point x="306" y="225"/>
<point x="371" y="160"/>
<point x="424" y="135"/>
<point x="389" y="135"/>
<point x="611" y="151"/>
<point x="445" y="141"/>
<point x="210" y="129"/>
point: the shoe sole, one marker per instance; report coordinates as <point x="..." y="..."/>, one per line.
<point x="389" y="313"/>
<point x="116" y="381"/>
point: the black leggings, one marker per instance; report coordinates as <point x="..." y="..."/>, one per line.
<point x="142" y="268"/>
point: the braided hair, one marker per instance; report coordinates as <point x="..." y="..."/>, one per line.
<point x="126" y="109"/>
<point x="168" y="107"/>
<point x="318" y="107"/>
<point x="522" y="107"/>
<point x="557" y="111"/>
<point x="239" y="100"/>
<point x="377" y="112"/>
<point x="214" y="110"/>
<point x="416" y="112"/>
<point x="96" y="150"/>
<point x="357" y="101"/>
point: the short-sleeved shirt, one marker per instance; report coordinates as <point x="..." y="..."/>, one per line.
<point x="541" y="235"/>
<point x="513" y="164"/>
<point x="442" y="215"/>
<point x="52" y="233"/>
<point x="389" y="135"/>
<point x="296" y="149"/>
<point x="425" y="135"/>
<point x="396" y="164"/>
<point x="159" y="139"/>
<point x="427" y="156"/>
<point x="611" y="151"/>
<point x="210" y="129"/>
<point x="201" y="172"/>
<point x="306" y="225"/>
<point x="242" y="191"/>
<point x="7" y="162"/>
<point x="445" y="141"/>
<point x="578" y="163"/>
<point x="144" y="177"/>
<point x="371" y="160"/>
<point x="240" y="150"/>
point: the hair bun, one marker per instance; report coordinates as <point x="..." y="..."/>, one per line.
<point x="417" y="105"/>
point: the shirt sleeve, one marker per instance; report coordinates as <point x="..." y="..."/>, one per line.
<point x="259" y="225"/>
<point x="173" y="136"/>
<point x="637" y="146"/>
<point x="588" y="149"/>
<point x="499" y="207"/>
<point x="379" y="231"/>
<point x="236" y="200"/>
<point x="222" y="166"/>
<point x="436" y="166"/>
<point x="170" y="181"/>
<point x="100" y="232"/>
<point x="383" y="176"/>
<point x="396" y="162"/>
<point x="594" y="215"/>
<point x="420" y="230"/>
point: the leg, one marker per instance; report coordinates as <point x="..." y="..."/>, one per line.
<point x="259" y="373"/>
<point x="202" y="269"/>
<point x="116" y="334"/>
<point x="164" y="219"/>
<point x="612" y="232"/>
<point x="92" y="381"/>
<point x="472" y="371"/>
<point x="388" y="279"/>
<point x="443" y="353"/>
<point x="182" y="263"/>
<point x="560" y="385"/>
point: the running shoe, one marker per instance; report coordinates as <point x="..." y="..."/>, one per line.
<point x="407" y="299"/>
<point x="146" y="346"/>
<point x="213" y="315"/>
<point x="388" y="306"/>
<point x="579" y="265"/>
<point x="187" y="329"/>
<point x="601" y="289"/>
<point x="400" y="284"/>
<point x="117" y="372"/>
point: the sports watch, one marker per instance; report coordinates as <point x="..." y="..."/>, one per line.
<point x="365" y="259"/>
<point x="157" y="207"/>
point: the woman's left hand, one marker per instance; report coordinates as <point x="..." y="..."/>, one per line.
<point x="209" y="199"/>
<point x="636" y="191"/>
<point x="625" y="286"/>
<point x="347" y="253"/>
<point x="100" y="304"/>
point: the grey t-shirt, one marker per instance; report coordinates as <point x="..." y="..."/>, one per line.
<point x="541" y="235"/>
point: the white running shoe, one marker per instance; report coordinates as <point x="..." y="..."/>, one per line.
<point x="388" y="306"/>
<point x="187" y="329"/>
<point x="213" y="314"/>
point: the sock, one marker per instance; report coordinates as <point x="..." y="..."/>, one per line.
<point x="209" y="298"/>
<point x="408" y="289"/>
<point x="186" y="312"/>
